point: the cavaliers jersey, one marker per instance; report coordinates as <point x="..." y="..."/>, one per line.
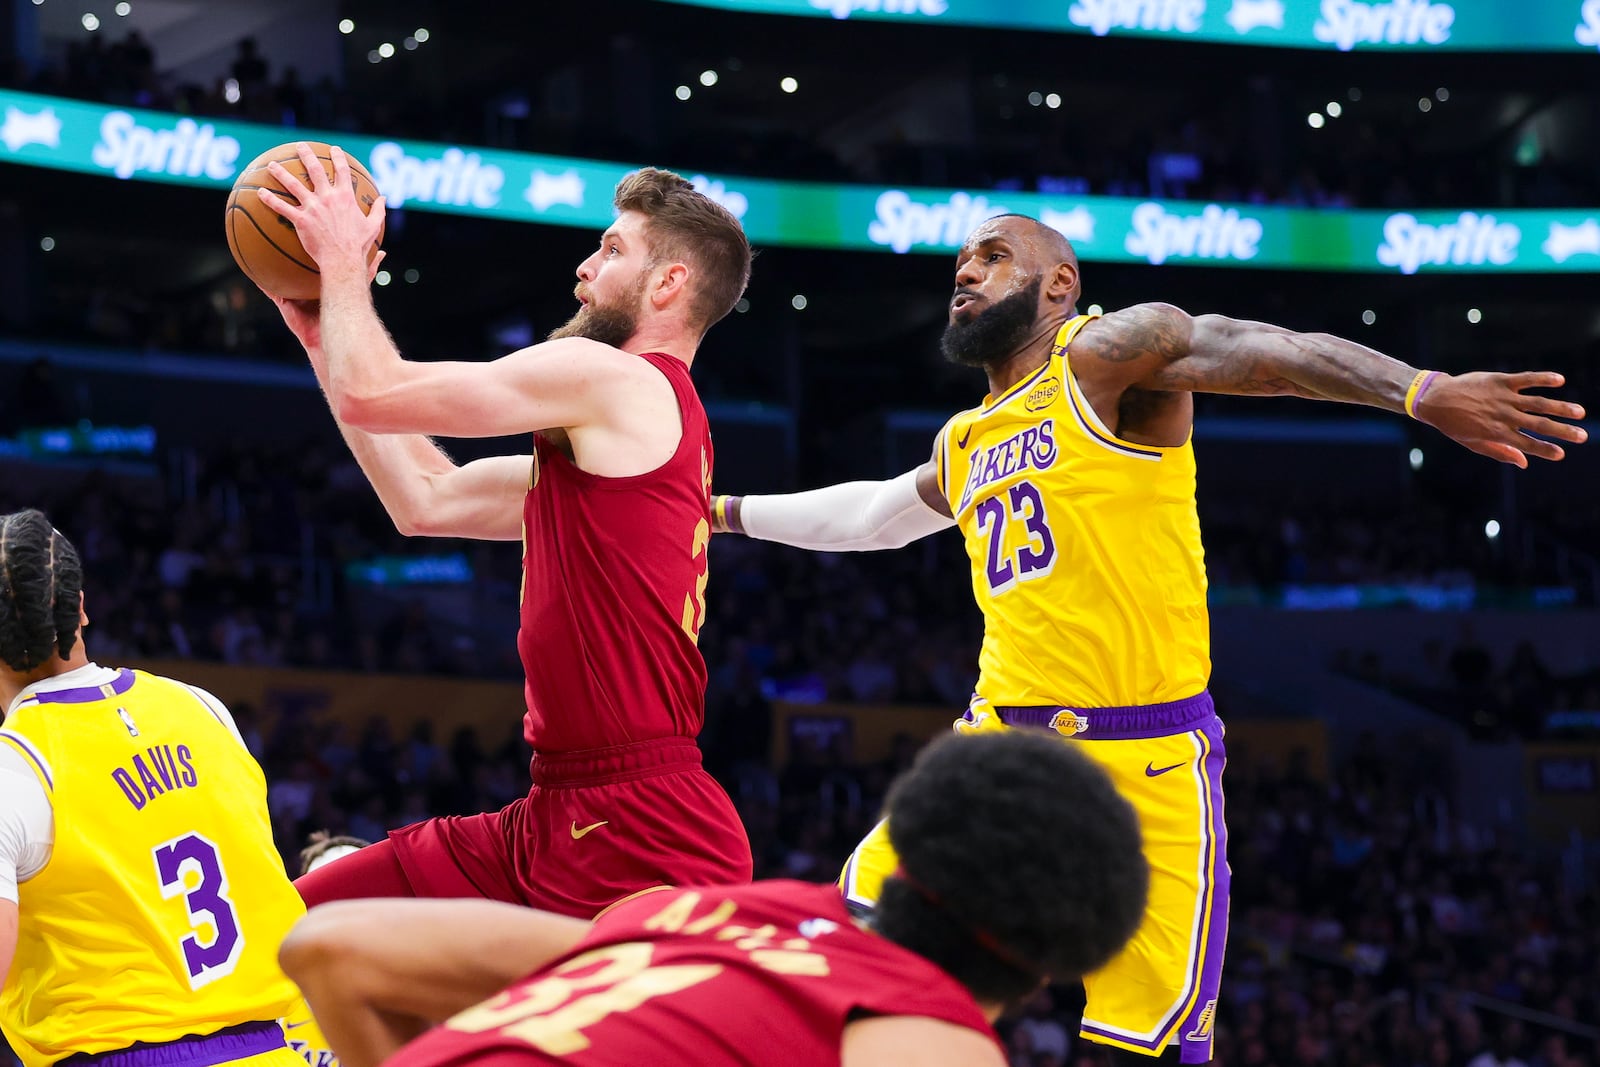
<point x="161" y="909"/>
<point x="766" y="975"/>
<point x="1085" y="549"/>
<point x="613" y="592"/>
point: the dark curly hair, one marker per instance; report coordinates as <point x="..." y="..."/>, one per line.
<point x="41" y="583"/>
<point x="1019" y="862"/>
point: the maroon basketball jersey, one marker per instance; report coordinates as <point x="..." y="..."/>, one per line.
<point x="765" y="975"/>
<point x="613" y="592"/>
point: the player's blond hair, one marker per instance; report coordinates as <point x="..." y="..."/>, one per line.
<point x="687" y="226"/>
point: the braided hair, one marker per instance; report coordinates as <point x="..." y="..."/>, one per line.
<point x="1019" y="863"/>
<point x="41" y="585"/>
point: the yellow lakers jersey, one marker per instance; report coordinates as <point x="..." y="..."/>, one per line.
<point x="1085" y="549"/>
<point x="164" y="901"/>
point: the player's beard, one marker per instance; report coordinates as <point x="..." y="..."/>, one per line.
<point x="994" y="333"/>
<point x="610" y="324"/>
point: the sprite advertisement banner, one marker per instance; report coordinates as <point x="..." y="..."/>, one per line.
<point x="1403" y="25"/>
<point x="523" y="187"/>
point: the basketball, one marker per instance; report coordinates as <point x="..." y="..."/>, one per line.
<point x="263" y="242"/>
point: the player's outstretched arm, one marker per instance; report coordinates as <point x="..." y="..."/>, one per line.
<point x="1160" y="347"/>
<point x="850" y="517"/>
<point x="379" y="972"/>
<point x="908" y="1039"/>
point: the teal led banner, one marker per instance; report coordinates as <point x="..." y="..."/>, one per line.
<point x="1419" y="25"/>
<point x="521" y="187"/>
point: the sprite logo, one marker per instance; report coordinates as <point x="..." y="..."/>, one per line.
<point x="1347" y="23"/>
<point x="185" y="149"/>
<point x="1588" y="31"/>
<point x="903" y="222"/>
<point x="843" y="9"/>
<point x="455" y="178"/>
<point x="1100" y="17"/>
<point x="1215" y="233"/>
<point x="1471" y="240"/>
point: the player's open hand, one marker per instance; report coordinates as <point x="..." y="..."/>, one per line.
<point x="1495" y="416"/>
<point x="327" y="217"/>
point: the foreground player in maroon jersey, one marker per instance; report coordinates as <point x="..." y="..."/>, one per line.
<point x="613" y="510"/>
<point x="1020" y="863"/>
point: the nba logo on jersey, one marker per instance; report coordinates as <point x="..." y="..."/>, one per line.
<point x="1066" y="723"/>
<point x="1202" y="1026"/>
<point x="814" y="928"/>
<point x="127" y="720"/>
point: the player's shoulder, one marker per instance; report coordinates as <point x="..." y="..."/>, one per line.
<point x="964" y="417"/>
<point x="1127" y="333"/>
<point x="594" y="358"/>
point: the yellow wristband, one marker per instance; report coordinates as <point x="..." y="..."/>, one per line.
<point x="1419" y="385"/>
<point x="719" y="512"/>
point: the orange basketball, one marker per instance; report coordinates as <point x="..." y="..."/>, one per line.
<point x="263" y="242"/>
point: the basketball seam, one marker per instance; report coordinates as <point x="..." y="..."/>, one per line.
<point x="265" y="236"/>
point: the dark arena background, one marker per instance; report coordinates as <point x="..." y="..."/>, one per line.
<point x="1406" y="636"/>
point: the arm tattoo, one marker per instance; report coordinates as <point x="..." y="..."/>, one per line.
<point x="1257" y="359"/>
<point x="1147" y="331"/>
<point x="1238" y="371"/>
<point x="1161" y="348"/>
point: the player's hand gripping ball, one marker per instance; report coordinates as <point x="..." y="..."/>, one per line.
<point x="264" y="243"/>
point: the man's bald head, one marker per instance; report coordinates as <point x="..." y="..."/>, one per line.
<point x="1048" y="245"/>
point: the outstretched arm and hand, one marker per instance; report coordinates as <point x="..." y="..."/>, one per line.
<point x="1161" y="348"/>
<point x="849" y="517"/>
<point x="377" y="973"/>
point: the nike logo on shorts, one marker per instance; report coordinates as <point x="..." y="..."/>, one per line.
<point x="1152" y="771"/>
<point x="577" y="833"/>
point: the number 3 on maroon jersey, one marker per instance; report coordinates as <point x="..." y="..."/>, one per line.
<point x="694" y="603"/>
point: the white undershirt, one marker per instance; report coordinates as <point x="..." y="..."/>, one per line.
<point x="27" y="819"/>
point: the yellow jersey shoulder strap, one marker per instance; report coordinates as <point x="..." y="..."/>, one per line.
<point x="1068" y="331"/>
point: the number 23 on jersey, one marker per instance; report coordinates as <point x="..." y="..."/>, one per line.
<point x="1016" y="528"/>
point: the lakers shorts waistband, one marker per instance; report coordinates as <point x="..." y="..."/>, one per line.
<point x="621" y="763"/>
<point x="1115" y="724"/>
<point x="232" y="1043"/>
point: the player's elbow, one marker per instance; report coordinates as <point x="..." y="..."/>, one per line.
<point x="412" y="523"/>
<point x="316" y="941"/>
<point x="356" y="409"/>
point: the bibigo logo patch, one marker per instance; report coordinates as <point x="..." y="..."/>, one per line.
<point x="1044" y="394"/>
